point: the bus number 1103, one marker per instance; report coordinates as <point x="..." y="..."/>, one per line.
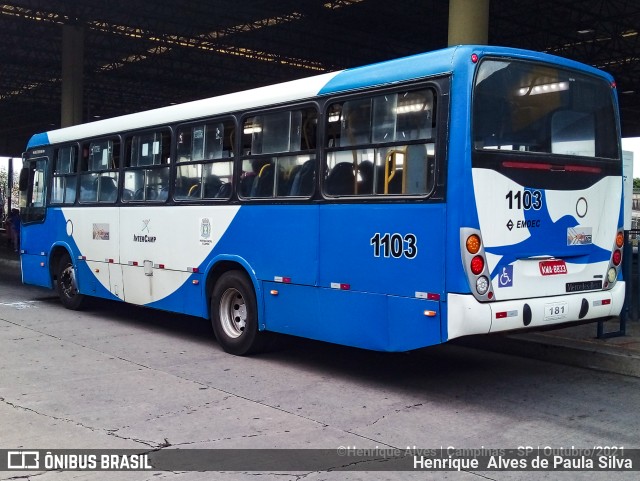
<point x="528" y="199"/>
<point x="395" y="245"/>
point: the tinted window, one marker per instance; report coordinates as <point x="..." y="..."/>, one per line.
<point x="279" y="154"/>
<point x="382" y="145"/>
<point x="527" y="107"/>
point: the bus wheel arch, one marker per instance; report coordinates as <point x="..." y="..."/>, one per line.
<point x="66" y="283"/>
<point x="219" y="268"/>
<point x="57" y="253"/>
<point x="233" y="309"/>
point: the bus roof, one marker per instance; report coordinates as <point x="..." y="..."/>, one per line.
<point x="384" y="73"/>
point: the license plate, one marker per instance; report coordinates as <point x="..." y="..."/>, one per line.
<point x="553" y="267"/>
<point x="555" y="310"/>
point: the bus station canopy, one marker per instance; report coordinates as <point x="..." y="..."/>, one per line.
<point x="140" y="54"/>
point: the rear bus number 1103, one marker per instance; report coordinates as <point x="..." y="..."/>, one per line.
<point x="395" y="245"/>
<point x="527" y="199"/>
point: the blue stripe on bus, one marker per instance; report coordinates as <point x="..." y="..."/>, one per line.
<point x="38" y="140"/>
<point x="433" y="63"/>
<point x="309" y="305"/>
<point x="553" y="236"/>
<point x="400" y="70"/>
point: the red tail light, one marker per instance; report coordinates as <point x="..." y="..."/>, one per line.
<point x="477" y="265"/>
<point x="617" y="257"/>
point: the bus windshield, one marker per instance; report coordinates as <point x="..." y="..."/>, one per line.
<point x="530" y="107"/>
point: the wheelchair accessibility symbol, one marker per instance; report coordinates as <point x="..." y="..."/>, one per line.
<point x="505" y="279"/>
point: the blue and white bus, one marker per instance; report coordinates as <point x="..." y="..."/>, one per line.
<point x="469" y="190"/>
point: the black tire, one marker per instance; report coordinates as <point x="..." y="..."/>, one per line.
<point x="234" y="314"/>
<point x="67" y="285"/>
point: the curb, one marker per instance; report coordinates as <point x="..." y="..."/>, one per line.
<point x="580" y="353"/>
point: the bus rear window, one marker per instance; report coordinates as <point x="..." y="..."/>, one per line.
<point x="529" y="107"/>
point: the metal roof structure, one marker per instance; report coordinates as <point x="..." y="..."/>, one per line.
<point x="142" y="54"/>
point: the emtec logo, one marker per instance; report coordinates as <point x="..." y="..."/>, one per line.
<point x="23" y="460"/>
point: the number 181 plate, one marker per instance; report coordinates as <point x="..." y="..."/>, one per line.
<point x="555" y="310"/>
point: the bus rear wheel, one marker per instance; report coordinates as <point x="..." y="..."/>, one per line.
<point x="67" y="285"/>
<point x="234" y="314"/>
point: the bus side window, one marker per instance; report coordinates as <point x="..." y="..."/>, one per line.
<point x="146" y="177"/>
<point x="279" y="150"/>
<point x="64" y="175"/>
<point x="302" y="179"/>
<point x="388" y="142"/>
<point x="204" y="163"/>
<point x="88" y="188"/>
<point x="264" y="180"/>
<point x="417" y="178"/>
<point x="356" y="123"/>
<point x="148" y="149"/>
<point x="107" y="188"/>
<point x="340" y="179"/>
<point x="104" y="155"/>
<point x="333" y="125"/>
<point x="100" y="163"/>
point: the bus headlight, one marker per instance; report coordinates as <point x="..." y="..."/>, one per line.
<point x="482" y="285"/>
<point x="612" y="275"/>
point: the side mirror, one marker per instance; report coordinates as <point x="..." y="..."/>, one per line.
<point x="23" y="183"/>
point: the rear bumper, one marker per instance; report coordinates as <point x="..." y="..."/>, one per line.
<point x="468" y="316"/>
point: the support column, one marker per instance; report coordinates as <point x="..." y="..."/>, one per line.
<point x="9" y="183"/>
<point x="72" y="74"/>
<point x="468" y="22"/>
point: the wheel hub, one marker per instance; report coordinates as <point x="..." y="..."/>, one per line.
<point x="233" y="313"/>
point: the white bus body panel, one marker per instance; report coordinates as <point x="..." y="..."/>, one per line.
<point x="468" y="316"/>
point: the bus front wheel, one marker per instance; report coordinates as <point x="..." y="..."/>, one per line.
<point x="67" y="284"/>
<point x="234" y="314"/>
